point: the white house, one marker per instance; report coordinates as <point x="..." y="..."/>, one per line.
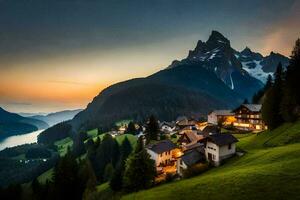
<point x="227" y="116"/>
<point x="219" y="147"/>
<point x="167" y="127"/>
<point x="161" y="152"/>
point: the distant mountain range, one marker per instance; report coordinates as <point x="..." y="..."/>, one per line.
<point x="14" y="124"/>
<point x="57" y="117"/>
<point x="212" y="76"/>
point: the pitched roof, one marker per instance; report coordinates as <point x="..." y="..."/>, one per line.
<point x="193" y="156"/>
<point x="170" y="124"/>
<point x="223" y="112"/>
<point x="192" y="136"/>
<point x="162" y="146"/>
<point x="210" y="129"/>
<point x="222" y="139"/>
<point x="251" y="107"/>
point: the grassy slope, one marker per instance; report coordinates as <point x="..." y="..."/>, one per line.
<point x="269" y="170"/>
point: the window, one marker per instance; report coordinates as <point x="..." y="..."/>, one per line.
<point x="229" y="146"/>
<point x="214" y="157"/>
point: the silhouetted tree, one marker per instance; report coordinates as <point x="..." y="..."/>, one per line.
<point x="140" y="171"/>
<point x="131" y="129"/>
<point x="290" y="105"/>
<point x="271" y="105"/>
<point x="152" y="128"/>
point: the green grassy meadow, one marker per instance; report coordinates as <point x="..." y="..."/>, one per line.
<point x="270" y="169"/>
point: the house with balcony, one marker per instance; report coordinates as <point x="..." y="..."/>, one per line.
<point x="249" y="118"/>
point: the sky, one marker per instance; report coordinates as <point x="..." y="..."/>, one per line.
<point x="57" y="55"/>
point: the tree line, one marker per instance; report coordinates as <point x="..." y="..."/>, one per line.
<point x="281" y="96"/>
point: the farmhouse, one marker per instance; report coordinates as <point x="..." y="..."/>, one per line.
<point x="249" y="117"/>
<point x="224" y="116"/>
<point x="161" y="152"/>
<point x="189" y="159"/>
<point x="219" y="147"/>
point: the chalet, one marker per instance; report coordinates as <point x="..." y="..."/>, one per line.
<point x="161" y="152"/>
<point x="219" y="147"/>
<point x="183" y="121"/>
<point x="248" y="117"/>
<point x="190" y="140"/>
<point x="225" y="116"/>
<point x="189" y="159"/>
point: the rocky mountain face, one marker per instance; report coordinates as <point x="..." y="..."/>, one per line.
<point x="217" y="55"/>
<point x="258" y="66"/>
<point x="212" y="76"/>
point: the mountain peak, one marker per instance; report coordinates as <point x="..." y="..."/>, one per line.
<point x="216" y="36"/>
<point x="247" y="50"/>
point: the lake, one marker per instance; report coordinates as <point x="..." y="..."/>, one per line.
<point x="19" y="139"/>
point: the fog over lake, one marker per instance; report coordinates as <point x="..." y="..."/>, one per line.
<point x="19" y="139"/>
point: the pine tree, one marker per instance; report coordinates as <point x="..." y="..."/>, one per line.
<point x="271" y="105"/>
<point x="246" y="101"/>
<point x="140" y="171"/>
<point x="131" y="129"/>
<point x="258" y="96"/>
<point x="107" y="152"/>
<point x="152" y="128"/>
<point x="290" y="106"/>
<point x="79" y="147"/>
<point x="116" y="181"/>
<point x="66" y="182"/>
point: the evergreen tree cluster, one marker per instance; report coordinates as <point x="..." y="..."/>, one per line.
<point x="281" y="102"/>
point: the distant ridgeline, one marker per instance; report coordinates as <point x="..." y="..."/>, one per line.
<point x="14" y="124"/>
<point x="212" y="76"/>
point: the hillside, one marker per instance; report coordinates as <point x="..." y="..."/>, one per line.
<point x="14" y="124"/>
<point x="270" y="167"/>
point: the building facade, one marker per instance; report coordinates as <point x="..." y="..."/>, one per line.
<point x="227" y="117"/>
<point x="219" y="147"/>
<point x="248" y="117"/>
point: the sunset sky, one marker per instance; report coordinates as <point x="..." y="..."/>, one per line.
<point x="57" y="55"/>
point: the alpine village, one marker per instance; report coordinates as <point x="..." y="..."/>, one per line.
<point x="241" y="142"/>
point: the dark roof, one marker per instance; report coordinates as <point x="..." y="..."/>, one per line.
<point x="162" y="146"/>
<point x="251" y="107"/>
<point x="223" y="112"/>
<point x="193" y="156"/>
<point x="170" y="124"/>
<point x="210" y="130"/>
<point x="222" y="139"/>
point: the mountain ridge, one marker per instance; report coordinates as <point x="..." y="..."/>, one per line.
<point x="14" y="124"/>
